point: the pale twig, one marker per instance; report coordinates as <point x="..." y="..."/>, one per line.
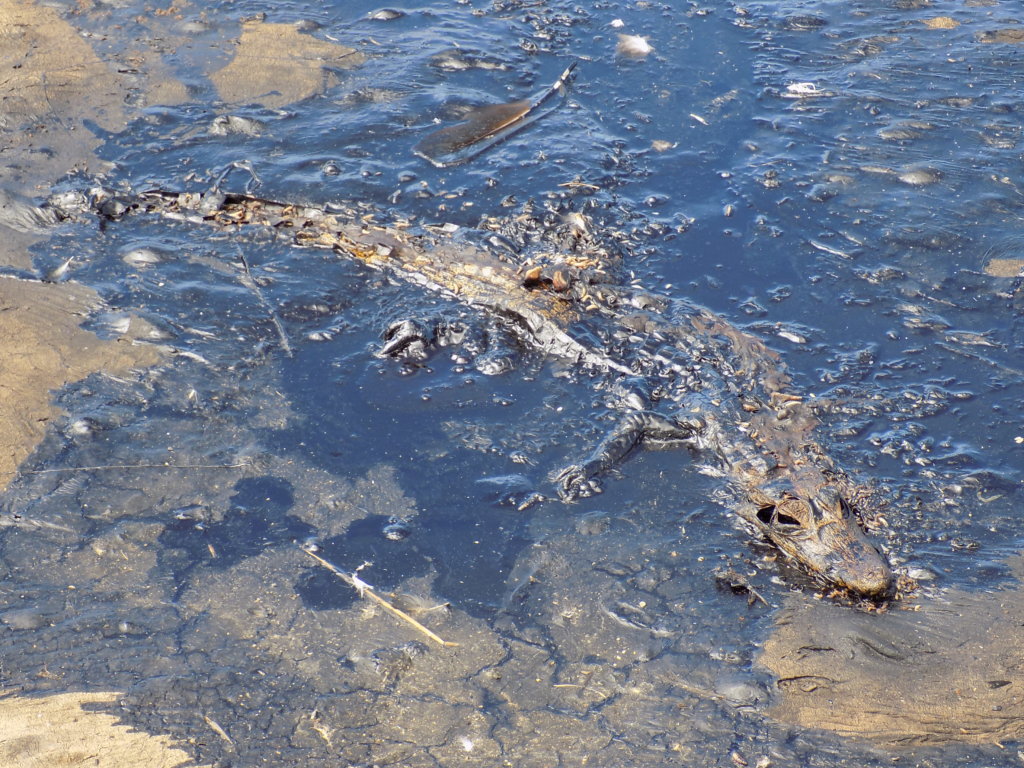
<point x="577" y="184"/>
<point x="365" y="590"/>
<point x="216" y="728"/>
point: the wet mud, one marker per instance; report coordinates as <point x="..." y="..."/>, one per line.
<point x="261" y="657"/>
<point x="276" y="64"/>
<point x="943" y="670"/>
<point x="66" y="729"/>
<point x="54" y="84"/>
<point x="183" y="411"/>
<point x="44" y="349"/>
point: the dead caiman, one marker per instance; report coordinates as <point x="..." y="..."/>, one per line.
<point x="727" y="393"/>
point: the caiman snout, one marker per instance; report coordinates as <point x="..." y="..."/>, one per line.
<point x="821" y="534"/>
<point x="869" y="575"/>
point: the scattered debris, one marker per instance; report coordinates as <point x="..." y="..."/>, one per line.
<point x="731" y="579"/>
<point x="919" y="177"/>
<point x="385" y="14"/>
<point x="633" y="46"/>
<point x="235" y="125"/>
<point x="804" y="91"/>
<point x="829" y="249"/>
<point x="216" y="728"/>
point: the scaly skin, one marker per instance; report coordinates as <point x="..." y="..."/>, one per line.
<point x="730" y="390"/>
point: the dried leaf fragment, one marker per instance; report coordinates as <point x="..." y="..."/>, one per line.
<point x="941" y="22"/>
<point x="1005" y="267"/>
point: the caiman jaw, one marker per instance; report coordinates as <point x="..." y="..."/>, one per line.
<point x="821" y="534"/>
<point x="866" y="573"/>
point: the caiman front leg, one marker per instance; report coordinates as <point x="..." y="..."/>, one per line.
<point x="638" y="428"/>
<point x="407" y="340"/>
<point x="417" y="339"/>
<point x="490" y="349"/>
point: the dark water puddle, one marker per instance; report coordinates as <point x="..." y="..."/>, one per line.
<point x="832" y="178"/>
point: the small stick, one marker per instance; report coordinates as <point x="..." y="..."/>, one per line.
<point x="365" y="590"/>
<point x="215" y="727"/>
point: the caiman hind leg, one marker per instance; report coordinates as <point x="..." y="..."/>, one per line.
<point x="640" y="428"/>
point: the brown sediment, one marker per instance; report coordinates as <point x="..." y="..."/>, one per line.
<point x="53" y="84"/>
<point x="43" y="349"/>
<point x="1008" y="35"/>
<point x="276" y="64"/>
<point x="41" y="732"/>
<point x="1004" y="267"/>
<point x="950" y="671"/>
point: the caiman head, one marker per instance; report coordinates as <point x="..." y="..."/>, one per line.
<point x="820" y="532"/>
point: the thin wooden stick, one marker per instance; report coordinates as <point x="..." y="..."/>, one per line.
<point x="365" y="590"/>
<point x="216" y="728"/>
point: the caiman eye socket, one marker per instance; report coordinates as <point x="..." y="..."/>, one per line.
<point x="768" y="516"/>
<point x="783" y="519"/>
